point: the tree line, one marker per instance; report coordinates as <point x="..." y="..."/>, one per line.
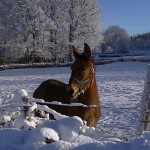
<point x="45" y="30"/>
<point x="117" y="40"/>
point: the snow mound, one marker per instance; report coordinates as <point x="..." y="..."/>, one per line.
<point x="67" y="128"/>
<point x="20" y="95"/>
<point x="33" y="133"/>
<point x="47" y="138"/>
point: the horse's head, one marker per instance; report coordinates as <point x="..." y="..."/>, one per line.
<point x="82" y="72"/>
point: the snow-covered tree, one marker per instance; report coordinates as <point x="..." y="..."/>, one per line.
<point x="140" y="41"/>
<point x="25" y="22"/>
<point x="33" y="31"/>
<point x="55" y="35"/>
<point x="122" y="46"/>
<point x="84" y="23"/>
<point x="44" y="30"/>
<point x="7" y="26"/>
<point x="116" y="38"/>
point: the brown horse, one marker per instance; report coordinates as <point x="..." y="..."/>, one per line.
<point x="82" y="88"/>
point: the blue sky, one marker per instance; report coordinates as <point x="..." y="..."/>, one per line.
<point x="132" y="15"/>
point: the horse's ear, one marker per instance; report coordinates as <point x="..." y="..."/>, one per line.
<point x="75" y="52"/>
<point x="87" y="50"/>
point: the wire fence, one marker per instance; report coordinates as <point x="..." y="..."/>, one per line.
<point x="2" y="108"/>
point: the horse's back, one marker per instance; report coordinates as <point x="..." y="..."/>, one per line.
<point x="52" y="90"/>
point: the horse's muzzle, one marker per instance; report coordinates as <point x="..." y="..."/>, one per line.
<point x="72" y="93"/>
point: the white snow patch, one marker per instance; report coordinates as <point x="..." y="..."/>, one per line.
<point x="119" y="85"/>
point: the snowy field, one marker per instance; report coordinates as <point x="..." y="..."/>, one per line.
<point x="120" y="89"/>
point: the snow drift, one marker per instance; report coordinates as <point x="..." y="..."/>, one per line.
<point x="120" y="85"/>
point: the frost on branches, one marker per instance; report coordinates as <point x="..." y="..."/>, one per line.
<point x="43" y="30"/>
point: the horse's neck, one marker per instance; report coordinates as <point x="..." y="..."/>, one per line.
<point x="90" y="97"/>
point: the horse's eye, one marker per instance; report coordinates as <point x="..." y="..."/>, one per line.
<point x="83" y="69"/>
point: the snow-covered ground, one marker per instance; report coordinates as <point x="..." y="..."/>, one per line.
<point x="120" y="89"/>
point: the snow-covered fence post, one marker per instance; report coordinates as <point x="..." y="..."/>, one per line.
<point x="144" y="119"/>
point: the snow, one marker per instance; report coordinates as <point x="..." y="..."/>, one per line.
<point x="120" y="88"/>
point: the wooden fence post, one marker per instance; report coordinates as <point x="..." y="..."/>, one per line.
<point x="144" y="119"/>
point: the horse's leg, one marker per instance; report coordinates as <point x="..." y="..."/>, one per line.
<point x="97" y="114"/>
<point x="92" y="116"/>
